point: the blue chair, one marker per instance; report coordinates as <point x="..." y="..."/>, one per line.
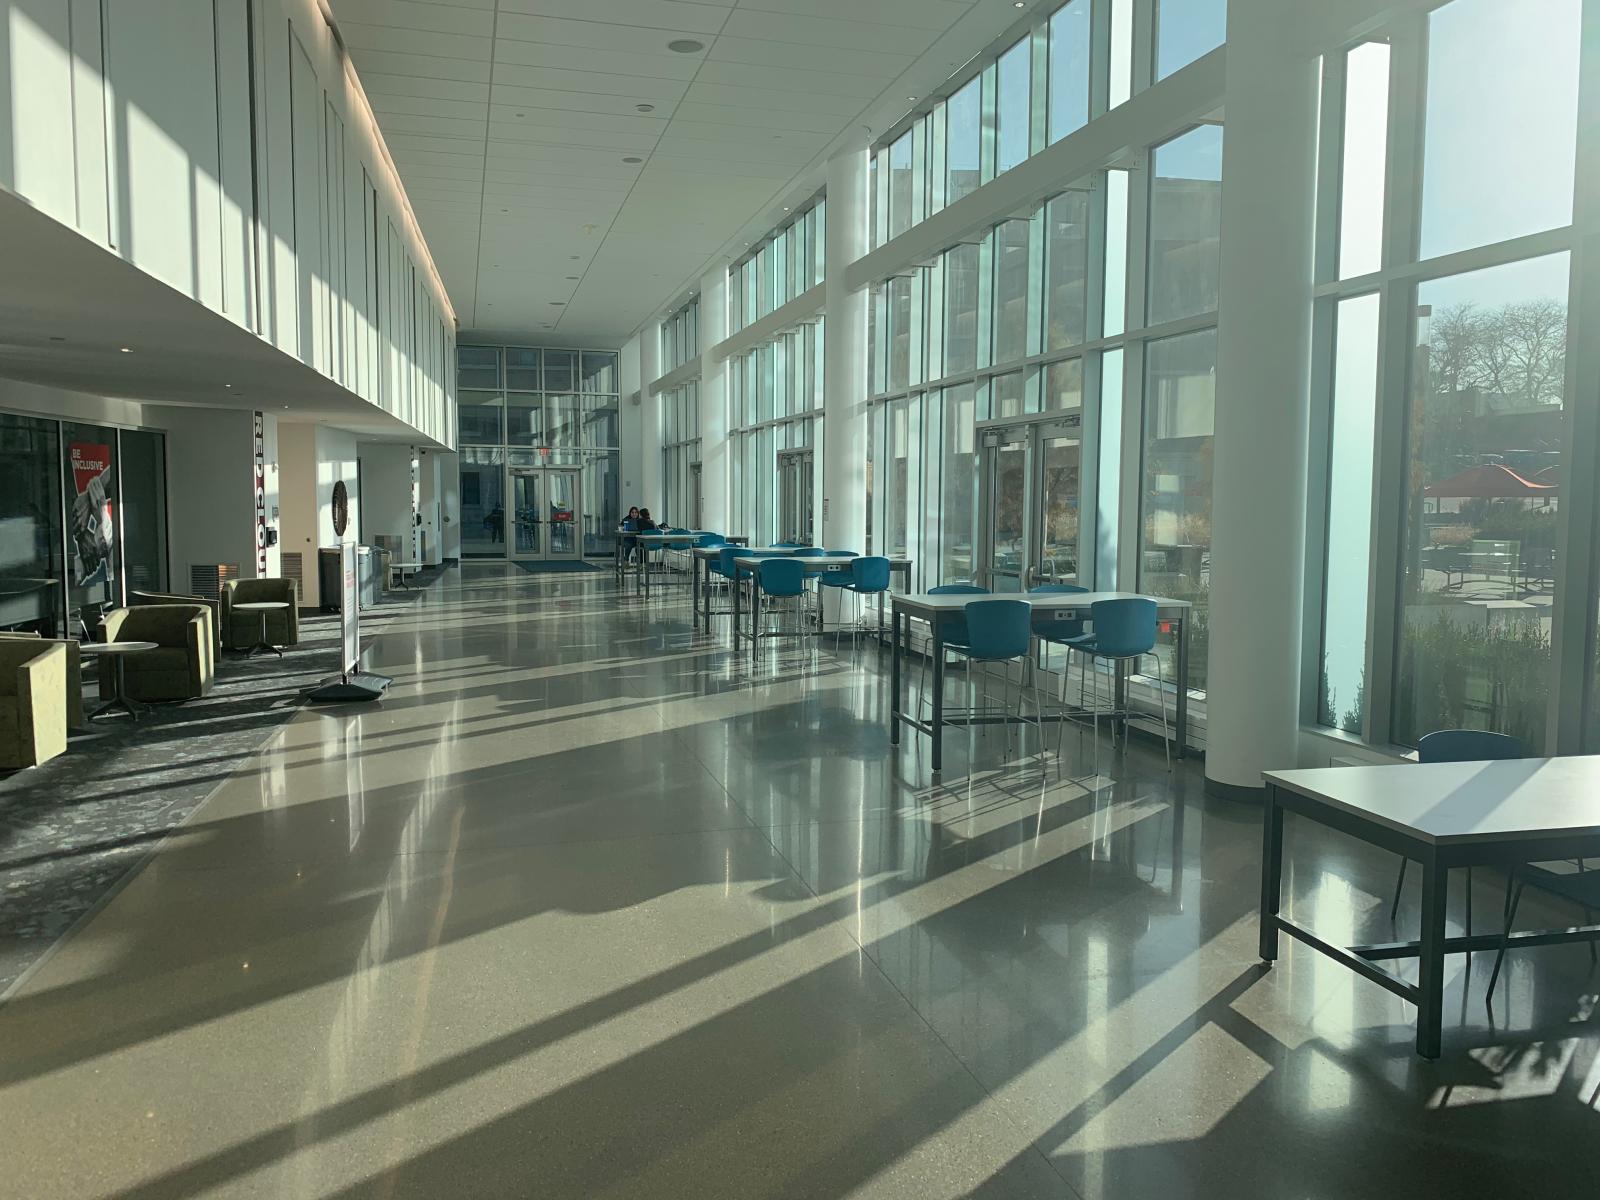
<point x="810" y="552"/>
<point x="780" y="578"/>
<point x="955" y="631"/>
<point x="869" y="576"/>
<point x="1124" y="631"/>
<point x="706" y="540"/>
<point x="723" y="564"/>
<point x="838" y="579"/>
<point x="999" y="631"/>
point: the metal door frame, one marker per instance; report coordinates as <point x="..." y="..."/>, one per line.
<point x="802" y="460"/>
<point x="541" y="477"/>
<point x="513" y="510"/>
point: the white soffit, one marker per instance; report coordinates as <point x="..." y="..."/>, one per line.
<point x="509" y="121"/>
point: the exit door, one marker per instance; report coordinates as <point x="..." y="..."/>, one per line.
<point x="546" y="515"/>
<point x="1030" y="476"/>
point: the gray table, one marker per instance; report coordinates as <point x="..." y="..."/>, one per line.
<point x="813" y="564"/>
<point x="400" y="569"/>
<point x="1048" y="608"/>
<point x="660" y="541"/>
<point x="261" y="608"/>
<point x="1443" y="815"/>
<point x="117" y="652"/>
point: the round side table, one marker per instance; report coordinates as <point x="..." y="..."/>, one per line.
<point x="118" y="652"/>
<point x="261" y="608"/>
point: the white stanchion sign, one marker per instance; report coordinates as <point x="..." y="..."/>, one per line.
<point x="349" y="609"/>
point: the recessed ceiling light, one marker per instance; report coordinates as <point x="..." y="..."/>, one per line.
<point x="571" y="276"/>
<point x="633" y="158"/>
<point x="574" y="257"/>
<point x="505" y="210"/>
<point x="522" y="114"/>
<point x="1017" y="4"/>
<point x="57" y="338"/>
<point x="126" y="349"/>
<point x="645" y="107"/>
<point x="686" y="46"/>
<point x="913" y="99"/>
<point x="558" y="303"/>
<point x="785" y="208"/>
<point x="227" y="385"/>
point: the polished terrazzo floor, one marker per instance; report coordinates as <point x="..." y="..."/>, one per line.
<point x="591" y="908"/>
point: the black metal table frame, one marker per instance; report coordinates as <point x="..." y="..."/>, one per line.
<point x="901" y="624"/>
<point x="904" y="567"/>
<point x="1508" y="853"/>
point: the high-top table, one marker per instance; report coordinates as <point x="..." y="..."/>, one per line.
<point x="1048" y="609"/>
<point x="1443" y="815"/>
<point x="657" y="541"/>
<point x="813" y="564"/>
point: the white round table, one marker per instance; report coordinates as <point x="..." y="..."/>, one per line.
<point x="118" y="653"/>
<point x="262" y="608"/>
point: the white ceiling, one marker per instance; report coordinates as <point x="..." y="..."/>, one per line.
<point x="509" y="121"/>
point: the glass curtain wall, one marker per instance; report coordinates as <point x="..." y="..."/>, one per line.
<point x="783" y="266"/>
<point x="996" y="114"/>
<point x="774" y="404"/>
<point x="525" y="406"/>
<point x="1446" y="414"/>
<point x="1038" y="334"/>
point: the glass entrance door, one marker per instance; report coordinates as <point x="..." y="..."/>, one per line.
<point x="795" y="496"/>
<point x="564" y="525"/>
<point x="547" y="517"/>
<point x="527" y="515"/>
<point x="1030" y="476"/>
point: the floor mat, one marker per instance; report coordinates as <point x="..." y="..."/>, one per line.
<point x="562" y="567"/>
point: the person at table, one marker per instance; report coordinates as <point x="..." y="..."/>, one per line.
<point x="645" y="523"/>
<point x="630" y="524"/>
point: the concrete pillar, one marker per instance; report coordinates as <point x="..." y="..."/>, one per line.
<point x="715" y="458"/>
<point x="649" y="494"/>
<point x="631" y="422"/>
<point x="210" y="490"/>
<point x="386" y="513"/>
<point x="843" y="463"/>
<point x="1263" y="377"/>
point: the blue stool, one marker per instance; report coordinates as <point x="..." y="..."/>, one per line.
<point x="999" y="631"/>
<point x="869" y="576"/>
<point x="956" y="630"/>
<point x="1124" y="632"/>
<point x="1059" y="633"/>
<point x="780" y="578"/>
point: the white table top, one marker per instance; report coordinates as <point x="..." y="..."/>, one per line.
<point x="1459" y="803"/>
<point x="261" y="605"/>
<point x="117" y="647"/>
<point x="1078" y="603"/>
<point x="817" y="563"/>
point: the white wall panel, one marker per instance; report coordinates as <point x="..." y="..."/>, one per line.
<point x="89" y="122"/>
<point x="166" y="181"/>
<point x="305" y="103"/>
<point x="36" y="105"/>
<point x="235" y="144"/>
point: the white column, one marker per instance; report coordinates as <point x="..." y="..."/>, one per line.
<point x="649" y="421"/>
<point x="1263" y="375"/>
<point x="715" y="459"/>
<point x="844" y="435"/>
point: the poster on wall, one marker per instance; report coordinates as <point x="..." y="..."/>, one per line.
<point x="92" y="527"/>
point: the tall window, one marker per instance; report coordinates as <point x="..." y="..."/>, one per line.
<point x="1186" y="225"/>
<point x="1011" y="291"/>
<point x="1066" y="269"/>
<point x="1069" y="68"/>
<point x="1014" y="86"/>
<point x="963" y="142"/>
<point x="1179" y="416"/>
<point x="1185" y="30"/>
<point x="1482" y="498"/>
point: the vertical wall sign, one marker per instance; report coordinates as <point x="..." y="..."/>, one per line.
<point x="259" y="433"/>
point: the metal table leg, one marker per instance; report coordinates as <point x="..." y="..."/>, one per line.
<point x="937" y="650"/>
<point x="1271" y="873"/>
<point x="897" y="628"/>
<point x="1430" y="960"/>
<point x="738" y="593"/>
<point x="1181" y="711"/>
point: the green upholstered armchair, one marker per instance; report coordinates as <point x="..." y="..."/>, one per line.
<point x="74" y="677"/>
<point x="137" y="599"/>
<point x="240" y="630"/>
<point x="33" y="701"/>
<point x="183" y="665"/>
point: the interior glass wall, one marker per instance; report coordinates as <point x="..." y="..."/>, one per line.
<point x="534" y="407"/>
